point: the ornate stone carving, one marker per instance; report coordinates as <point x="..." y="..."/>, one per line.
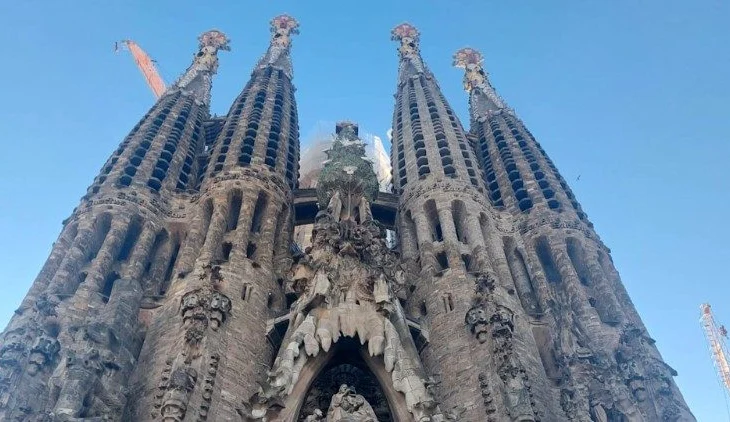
<point x="347" y="182"/>
<point x="477" y="320"/>
<point x="491" y="408"/>
<point x="316" y="416"/>
<point x="476" y="82"/>
<point x="348" y="406"/>
<point x="13" y="349"/>
<point x="197" y="80"/>
<point x="407" y="35"/>
<point x="201" y="308"/>
<point x="345" y="283"/>
<point x="643" y="371"/>
<point x="489" y="319"/>
<point x="181" y="384"/>
<point x="282" y="28"/>
<point x="208" y="383"/>
<point x="81" y="381"/>
<point x="43" y="352"/>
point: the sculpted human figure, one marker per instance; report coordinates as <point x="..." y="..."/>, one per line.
<point x="334" y="208"/>
<point x="316" y="416"/>
<point x="476" y="319"/>
<point x="347" y="406"/>
<point x="518" y="397"/>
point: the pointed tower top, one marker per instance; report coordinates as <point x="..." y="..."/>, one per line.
<point x="411" y="63"/>
<point x="407" y="34"/>
<point x="282" y="28"/>
<point x="483" y="98"/>
<point x="197" y="79"/>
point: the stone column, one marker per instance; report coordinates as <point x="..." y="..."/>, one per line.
<point x="427" y="257"/>
<point x="196" y="236"/>
<point x="58" y="253"/>
<point x="607" y="300"/>
<point x="408" y="239"/>
<point x="216" y="229"/>
<point x="101" y="266"/>
<point x="451" y="241"/>
<point x="243" y="230"/>
<point x="586" y="316"/>
<point x="62" y="283"/>
<point x="523" y="285"/>
<point x="480" y="253"/>
<point x="140" y="255"/>
<point x="544" y="293"/>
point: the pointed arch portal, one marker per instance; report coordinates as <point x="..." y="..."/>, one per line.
<point x="346" y="363"/>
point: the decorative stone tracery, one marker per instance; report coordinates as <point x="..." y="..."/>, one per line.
<point x="490" y="321"/>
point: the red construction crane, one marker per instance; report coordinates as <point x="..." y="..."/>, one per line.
<point x="716" y="336"/>
<point x="145" y="64"/>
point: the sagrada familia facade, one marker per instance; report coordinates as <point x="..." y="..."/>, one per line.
<point x="174" y="292"/>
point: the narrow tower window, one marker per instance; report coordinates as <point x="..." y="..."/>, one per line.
<point x="234" y="210"/>
<point x="542" y="248"/>
<point x="433" y="221"/>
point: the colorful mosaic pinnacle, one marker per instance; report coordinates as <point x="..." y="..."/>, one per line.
<point x="214" y="38"/>
<point x="282" y="27"/>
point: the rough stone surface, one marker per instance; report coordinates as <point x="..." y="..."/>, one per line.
<point x="173" y="292"/>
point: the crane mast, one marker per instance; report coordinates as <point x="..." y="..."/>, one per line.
<point x="146" y="65"/>
<point x="716" y="339"/>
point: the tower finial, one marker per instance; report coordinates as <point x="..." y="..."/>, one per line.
<point x="476" y="81"/>
<point x="197" y="79"/>
<point x="408" y="36"/>
<point x="282" y="28"/>
<point x="411" y="63"/>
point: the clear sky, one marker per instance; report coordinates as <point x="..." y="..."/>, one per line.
<point x="632" y="96"/>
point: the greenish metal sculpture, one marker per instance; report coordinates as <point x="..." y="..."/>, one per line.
<point x="347" y="183"/>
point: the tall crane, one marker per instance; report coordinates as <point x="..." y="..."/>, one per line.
<point x="716" y="336"/>
<point x="145" y="64"/>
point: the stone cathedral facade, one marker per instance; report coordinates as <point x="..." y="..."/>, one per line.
<point x="174" y="291"/>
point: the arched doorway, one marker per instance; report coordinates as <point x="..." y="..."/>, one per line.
<point x="346" y="367"/>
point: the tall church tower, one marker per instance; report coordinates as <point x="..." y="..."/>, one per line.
<point x="206" y="343"/>
<point x="174" y="292"/>
<point x="593" y="349"/>
<point x="72" y="346"/>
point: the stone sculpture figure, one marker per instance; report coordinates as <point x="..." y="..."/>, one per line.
<point x="316" y="416"/>
<point x="477" y="320"/>
<point x="182" y="382"/>
<point x="348" y="406"/>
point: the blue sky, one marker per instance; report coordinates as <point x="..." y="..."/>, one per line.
<point x="632" y="96"/>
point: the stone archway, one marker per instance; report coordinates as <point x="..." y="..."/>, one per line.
<point x="340" y="360"/>
<point x="346" y="367"/>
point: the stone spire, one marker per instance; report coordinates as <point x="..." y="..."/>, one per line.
<point x="428" y="138"/>
<point x="411" y="63"/>
<point x="198" y="78"/>
<point x="483" y="99"/>
<point x="277" y="55"/>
